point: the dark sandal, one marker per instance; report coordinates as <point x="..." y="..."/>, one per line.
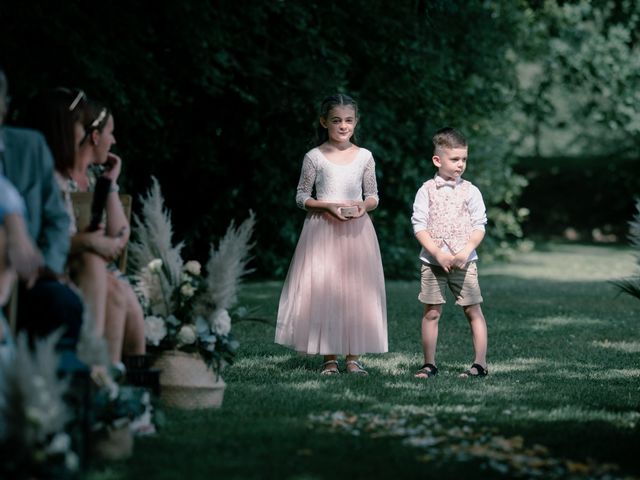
<point x="482" y="372"/>
<point x="428" y="369"/>
<point x="328" y="370"/>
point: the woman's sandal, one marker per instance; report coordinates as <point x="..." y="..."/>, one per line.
<point x="427" y="370"/>
<point x="482" y="372"/>
<point x="327" y="368"/>
<point x="358" y="370"/>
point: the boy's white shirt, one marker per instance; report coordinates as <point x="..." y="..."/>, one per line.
<point x="420" y="217"/>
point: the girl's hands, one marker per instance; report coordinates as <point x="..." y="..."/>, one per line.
<point x="334" y="209"/>
<point x="361" y="209"/>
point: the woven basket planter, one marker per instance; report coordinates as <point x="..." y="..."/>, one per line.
<point x="187" y="383"/>
<point x="114" y="443"/>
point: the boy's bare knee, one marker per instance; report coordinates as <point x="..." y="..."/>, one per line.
<point x="473" y="311"/>
<point x="432" y="313"/>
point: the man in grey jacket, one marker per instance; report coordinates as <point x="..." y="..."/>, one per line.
<point x="45" y="301"/>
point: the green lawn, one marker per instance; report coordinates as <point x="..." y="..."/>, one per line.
<point x="562" y="397"/>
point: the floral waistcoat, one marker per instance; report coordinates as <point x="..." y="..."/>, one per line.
<point x="449" y="217"/>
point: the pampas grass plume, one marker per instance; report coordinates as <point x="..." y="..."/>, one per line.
<point x="154" y="232"/>
<point x="31" y="394"/>
<point x="228" y="264"/>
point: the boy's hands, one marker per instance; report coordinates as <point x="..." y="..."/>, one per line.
<point x="446" y="260"/>
<point x="460" y="259"/>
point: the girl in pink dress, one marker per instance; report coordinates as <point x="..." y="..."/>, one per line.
<point x="333" y="299"/>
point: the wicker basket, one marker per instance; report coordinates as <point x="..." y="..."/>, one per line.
<point x="114" y="443"/>
<point x="186" y="382"/>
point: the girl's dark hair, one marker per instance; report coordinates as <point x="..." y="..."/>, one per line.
<point x="54" y="113"/>
<point x="328" y="104"/>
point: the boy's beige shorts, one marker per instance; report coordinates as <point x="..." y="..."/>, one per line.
<point x="463" y="283"/>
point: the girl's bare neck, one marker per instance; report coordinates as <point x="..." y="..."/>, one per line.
<point x="331" y="146"/>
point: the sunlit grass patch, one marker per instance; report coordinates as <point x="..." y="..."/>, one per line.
<point x="309" y="385"/>
<point x="548" y="323"/>
<point x="618" y="373"/>
<point x="570" y="413"/>
<point x="622" y="346"/>
<point x="404" y="386"/>
<point x="518" y="365"/>
<point x="266" y="360"/>
<point x="394" y="363"/>
<point x="569" y="263"/>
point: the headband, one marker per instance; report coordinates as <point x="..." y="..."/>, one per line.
<point x="100" y="119"/>
<point x="76" y="101"/>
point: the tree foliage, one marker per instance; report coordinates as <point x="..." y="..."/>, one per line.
<point x="580" y="118"/>
<point x="218" y="100"/>
<point x="586" y="59"/>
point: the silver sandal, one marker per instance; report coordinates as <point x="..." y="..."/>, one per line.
<point x="326" y="370"/>
<point x="359" y="370"/>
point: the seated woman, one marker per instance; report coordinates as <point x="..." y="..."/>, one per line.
<point x="80" y="134"/>
<point x="18" y="254"/>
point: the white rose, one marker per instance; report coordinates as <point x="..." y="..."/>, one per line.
<point x="221" y="322"/>
<point x="155" y="265"/>
<point x="193" y="267"/>
<point x="154" y="330"/>
<point x="187" y="290"/>
<point x="187" y="335"/>
<point x="59" y="444"/>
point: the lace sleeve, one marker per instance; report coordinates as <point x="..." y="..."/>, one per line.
<point x="306" y="182"/>
<point x="369" y="184"/>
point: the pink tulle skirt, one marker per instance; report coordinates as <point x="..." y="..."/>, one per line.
<point x="333" y="299"/>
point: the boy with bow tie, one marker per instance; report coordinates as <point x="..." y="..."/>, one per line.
<point x="448" y="220"/>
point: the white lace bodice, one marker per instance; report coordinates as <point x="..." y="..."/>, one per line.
<point x="336" y="183"/>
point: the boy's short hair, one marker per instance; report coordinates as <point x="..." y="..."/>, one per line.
<point x="448" y="137"/>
